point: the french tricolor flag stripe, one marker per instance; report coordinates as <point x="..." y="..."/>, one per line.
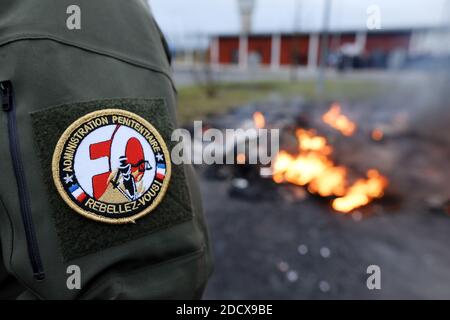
<point x="77" y="192"/>
<point x="160" y="171"/>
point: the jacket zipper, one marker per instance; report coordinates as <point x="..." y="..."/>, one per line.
<point x="8" y="105"/>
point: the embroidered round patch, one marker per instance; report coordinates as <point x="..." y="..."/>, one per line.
<point x="111" y="166"/>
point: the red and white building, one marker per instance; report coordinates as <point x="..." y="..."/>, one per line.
<point x="284" y="49"/>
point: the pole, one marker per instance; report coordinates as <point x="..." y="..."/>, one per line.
<point x="323" y="47"/>
<point x="295" y="50"/>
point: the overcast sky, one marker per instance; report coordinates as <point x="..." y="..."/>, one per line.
<point x="183" y="19"/>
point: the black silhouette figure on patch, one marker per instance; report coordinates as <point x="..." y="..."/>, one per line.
<point x="128" y="179"/>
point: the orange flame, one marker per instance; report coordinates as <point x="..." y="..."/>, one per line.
<point x="309" y="141"/>
<point x="330" y="182"/>
<point x="377" y="134"/>
<point x="314" y="167"/>
<point x="338" y="121"/>
<point x="240" y="158"/>
<point x="311" y="166"/>
<point x="362" y="192"/>
<point x="258" y="120"/>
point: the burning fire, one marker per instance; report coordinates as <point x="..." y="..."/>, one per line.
<point x="314" y="167"/>
<point x="362" y="192"/>
<point x="377" y="134"/>
<point x="309" y="141"/>
<point x="258" y="120"/>
<point x="338" y="121"/>
<point x="240" y="158"/>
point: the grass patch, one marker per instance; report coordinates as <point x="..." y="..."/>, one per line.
<point x="194" y="103"/>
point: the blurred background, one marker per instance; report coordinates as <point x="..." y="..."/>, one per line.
<point x="360" y="92"/>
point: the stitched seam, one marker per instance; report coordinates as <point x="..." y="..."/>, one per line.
<point x="93" y="49"/>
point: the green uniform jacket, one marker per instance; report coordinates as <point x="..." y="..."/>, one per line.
<point x="117" y="60"/>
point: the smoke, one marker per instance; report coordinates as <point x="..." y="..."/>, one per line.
<point x="422" y="90"/>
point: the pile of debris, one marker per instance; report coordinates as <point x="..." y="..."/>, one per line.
<point x="344" y="158"/>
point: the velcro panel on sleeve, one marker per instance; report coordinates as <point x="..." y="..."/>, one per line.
<point x="80" y="235"/>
